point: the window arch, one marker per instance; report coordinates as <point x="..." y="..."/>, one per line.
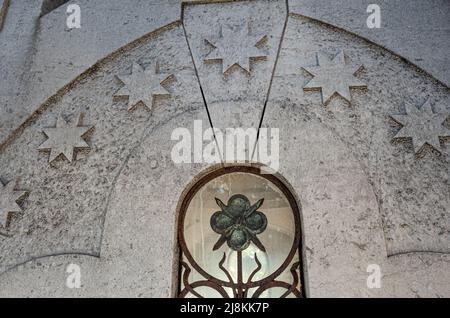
<point x="239" y="236"/>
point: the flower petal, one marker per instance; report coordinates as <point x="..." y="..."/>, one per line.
<point x="238" y="239"/>
<point x="238" y="204"/>
<point x="256" y="222"/>
<point x="220" y="222"/>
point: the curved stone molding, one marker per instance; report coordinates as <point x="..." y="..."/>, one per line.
<point x="81" y="50"/>
<point x="334" y="258"/>
<point x="366" y="198"/>
<point x="4" y="5"/>
<point x="413" y="29"/>
<point x="50" y="5"/>
<point x="106" y="26"/>
<point x="341" y="225"/>
<point x="137" y="263"/>
<point x="137" y="257"/>
<point x="67" y="202"/>
<point x="418" y="274"/>
<point x="412" y="192"/>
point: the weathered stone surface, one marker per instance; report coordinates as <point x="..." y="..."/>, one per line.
<point x="8" y="201"/>
<point x="64" y="139"/>
<point x="235" y="97"/>
<point x="4" y="6"/>
<point x="137" y="257"/>
<point x="416" y="30"/>
<point x="143" y="86"/>
<point x="333" y="77"/>
<point x="337" y="184"/>
<point x="423" y="126"/>
<point x="341" y="229"/>
<point x="16" y="55"/>
<point x="32" y="72"/>
<point x="50" y="5"/>
<point x="365" y="199"/>
<point x="412" y="193"/>
<point x="65" y="210"/>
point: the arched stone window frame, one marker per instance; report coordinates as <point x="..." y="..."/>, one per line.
<point x="271" y="280"/>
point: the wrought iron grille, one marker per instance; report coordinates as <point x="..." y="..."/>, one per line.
<point x="238" y="223"/>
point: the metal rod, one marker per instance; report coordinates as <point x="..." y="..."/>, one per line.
<point x="240" y="282"/>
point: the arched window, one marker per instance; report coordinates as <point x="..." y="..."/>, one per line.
<point x="239" y="236"/>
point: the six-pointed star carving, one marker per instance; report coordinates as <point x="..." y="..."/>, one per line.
<point x="422" y="125"/>
<point x="236" y="47"/>
<point x="333" y="76"/>
<point x="142" y="85"/>
<point x="64" y="139"/>
<point x="8" y="201"/>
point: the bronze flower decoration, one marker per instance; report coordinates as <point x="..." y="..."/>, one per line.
<point x="238" y="223"/>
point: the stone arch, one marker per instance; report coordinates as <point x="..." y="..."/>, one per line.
<point x="75" y="98"/>
<point x="305" y="164"/>
<point x="258" y="169"/>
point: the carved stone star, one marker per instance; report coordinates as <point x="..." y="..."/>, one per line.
<point x="142" y="85"/>
<point x="333" y="76"/>
<point x="423" y="126"/>
<point x="8" y="201"/>
<point x="236" y="47"/>
<point x="64" y="139"/>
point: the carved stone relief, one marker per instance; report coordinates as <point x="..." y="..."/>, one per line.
<point x="363" y="142"/>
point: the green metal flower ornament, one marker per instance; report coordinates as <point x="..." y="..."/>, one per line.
<point x="238" y="223"/>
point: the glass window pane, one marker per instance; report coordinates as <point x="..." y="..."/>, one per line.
<point x="226" y="215"/>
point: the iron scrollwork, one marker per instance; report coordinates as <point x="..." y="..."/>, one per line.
<point x="238" y="223"/>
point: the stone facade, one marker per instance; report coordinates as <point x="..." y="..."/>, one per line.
<point x="87" y="116"/>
